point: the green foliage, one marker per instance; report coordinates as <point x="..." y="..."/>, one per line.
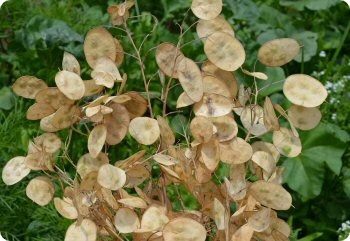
<point x="323" y="147"/>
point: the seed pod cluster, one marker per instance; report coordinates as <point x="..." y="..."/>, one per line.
<point x="105" y="197"/>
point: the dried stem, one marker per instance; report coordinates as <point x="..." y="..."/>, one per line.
<point x="142" y="69"/>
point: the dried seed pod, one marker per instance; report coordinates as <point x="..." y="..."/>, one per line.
<point x="130" y="161"/>
<point x="286" y="142"/>
<point x="46" y="124"/>
<point x="91" y="88"/>
<point x="99" y="43"/>
<point x="278" y="52"/>
<point x="303" y="90"/>
<point x="219" y="214"/>
<point x="213" y="105"/>
<point x="136" y="175"/>
<point x="97" y="140"/>
<point x="53" y="97"/>
<point x="28" y="86"/>
<point x="166" y="133"/>
<point x="266" y="147"/>
<point x="226" y="76"/>
<point x="106" y="72"/>
<point x="137" y="106"/>
<point x="133" y="202"/>
<point x="270" y="118"/>
<point x="111" y="177"/>
<point x="264" y="160"/>
<point x="206" y="9"/>
<point x="210" y="154"/>
<point x="145" y="130"/>
<point x="190" y="78"/>
<point x="226" y="127"/>
<point x="48" y="142"/>
<point x="119" y="52"/>
<point x="252" y="118"/>
<point x="15" y="170"/>
<point x="165" y="159"/>
<point x="260" y="221"/>
<point x="65" y="116"/>
<point x="117" y="124"/>
<point x="304" y="118"/>
<point x="258" y="75"/>
<point x="184" y="229"/>
<point x="168" y="57"/>
<point x="184" y="100"/>
<point x="126" y="220"/>
<point x="153" y="219"/>
<point x="207" y="27"/>
<point x="85" y="231"/>
<point x="271" y="195"/>
<point x="224" y="51"/>
<point x="108" y="197"/>
<point x="66" y="208"/>
<point x="244" y="233"/>
<point x="70" y="63"/>
<point x="120" y="13"/>
<point x="38" y="111"/>
<point x="213" y="85"/>
<point x="70" y="84"/>
<point x="40" y="190"/>
<point x="235" y="151"/>
<point x="87" y="163"/>
<point x="40" y="161"/>
<point x="201" y="129"/>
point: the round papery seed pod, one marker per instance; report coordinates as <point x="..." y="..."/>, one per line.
<point x="126" y="220"/>
<point x="145" y="130"/>
<point x="225" y="51"/>
<point x="278" y="52"/>
<point x="304" y="90"/>
<point x="99" y="43"/>
<point x="206" y="9"/>
<point x="184" y="229"/>
<point x="304" y="118"/>
<point x="15" y="170"/>
<point x="40" y="190"/>
<point x="86" y="231"/>
<point x="111" y="177"/>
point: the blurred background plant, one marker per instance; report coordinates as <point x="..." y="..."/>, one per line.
<point x="33" y="35"/>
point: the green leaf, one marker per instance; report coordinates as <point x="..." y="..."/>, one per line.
<point x="308" y="41"/>
<point x="315" y="5"/>
<point x="311" y="237"/>
<point x="274" y="83"/>
<point x="323" y="147"/>
<point x="244" y="9"/>
<point x="346" y="180"/>
<point x="7" y="99"/>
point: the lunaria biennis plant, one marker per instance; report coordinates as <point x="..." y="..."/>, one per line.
<point x="114" y="198"/>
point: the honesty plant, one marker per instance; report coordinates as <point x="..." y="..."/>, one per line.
<point x="105" y="196"/>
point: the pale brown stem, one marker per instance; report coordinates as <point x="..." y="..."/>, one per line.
<point x="142" y="69"/>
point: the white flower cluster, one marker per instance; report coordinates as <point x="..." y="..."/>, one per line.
<point x="344" y="231"/>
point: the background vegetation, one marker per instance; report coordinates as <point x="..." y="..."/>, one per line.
<point x="33" y="35"/>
